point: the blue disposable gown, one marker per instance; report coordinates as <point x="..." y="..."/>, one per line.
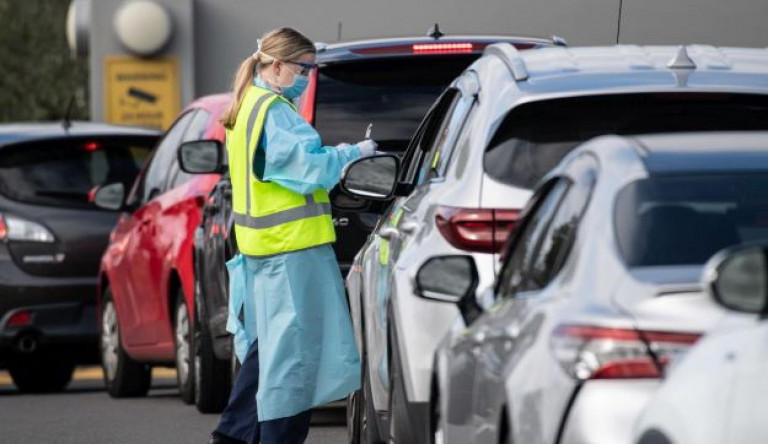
<point x="294" y="304"/>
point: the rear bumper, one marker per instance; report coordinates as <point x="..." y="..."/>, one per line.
<point x="604" y="412"/>
<point x="63" y="310"/>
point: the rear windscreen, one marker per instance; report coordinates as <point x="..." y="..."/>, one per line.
<point x="393" y="94"/>
<point x="62" y="172"/>
<point x="684" y="220"/>
<point x="534" y="137"/>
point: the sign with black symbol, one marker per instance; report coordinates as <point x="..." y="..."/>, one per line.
<point x="142" y="92"/>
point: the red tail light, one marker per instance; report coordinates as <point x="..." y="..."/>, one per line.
<point x="20" y="319"/>
<point x="587" y="352"/>
<point x="476" y="229"/>
<point x="3" y="229"/>
<point x="442" y="48"/>
<point x="306" y="103"/>
<point x="91" y="146"/>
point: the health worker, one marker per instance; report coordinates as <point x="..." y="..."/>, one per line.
<point x="287" y="308"/>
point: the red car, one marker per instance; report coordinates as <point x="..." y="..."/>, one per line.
<point x="146" y="291"/>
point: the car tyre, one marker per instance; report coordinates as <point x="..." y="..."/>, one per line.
<point x="212" y="375"/>
<point x="399" y="432"/>
<point x="40" y="372"/>
<point x="123" y="377"/>
<point x="183" y="345"/>
<point x="362" y="427"/>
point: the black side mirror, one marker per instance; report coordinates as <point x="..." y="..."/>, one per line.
<point x="201" y="157"/>
<point x="737" y="278"/>
<point x="372" y="178"/>
<point x="451" y="279"/>
<point x="109" y="197"/>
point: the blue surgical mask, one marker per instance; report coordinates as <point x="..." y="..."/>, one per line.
<point x="297" y="88"/>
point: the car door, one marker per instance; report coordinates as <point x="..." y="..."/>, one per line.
<point x="178" y="215"/>
<point x="140" y="272"/>
<point x="465" y="348"/>
<point x="526" y="303"/>
<point x="376" y="273"/>
<point x="745" y="417"/>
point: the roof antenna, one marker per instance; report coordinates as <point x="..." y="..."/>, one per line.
<point x="67" y="123"/>
<point x="338" y="31"/>
<point x="434" y="32"/>
<point x="682" y="60"/>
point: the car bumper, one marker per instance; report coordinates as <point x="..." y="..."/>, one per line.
<point x="61" y="310"/>
<point x="604" y="412"/>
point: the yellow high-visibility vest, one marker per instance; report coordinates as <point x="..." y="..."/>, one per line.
<point x="269" y="218"/>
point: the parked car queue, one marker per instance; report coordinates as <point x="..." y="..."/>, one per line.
<point x="154" y="311"/>
<point x="594" y="292"/>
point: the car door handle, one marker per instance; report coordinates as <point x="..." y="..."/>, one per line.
<point x="389" y="233"/>
<point x="409" y="227"/>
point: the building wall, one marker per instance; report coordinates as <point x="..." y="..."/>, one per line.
<point x="214" y="36"/>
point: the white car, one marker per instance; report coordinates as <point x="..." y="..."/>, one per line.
<point x="718" y="394"/>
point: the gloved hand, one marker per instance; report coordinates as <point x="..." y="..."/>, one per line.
<point x="367" y="147"/>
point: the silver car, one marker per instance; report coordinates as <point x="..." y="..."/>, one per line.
<point x="470" y="169"/>
<point x="598" y="291"/>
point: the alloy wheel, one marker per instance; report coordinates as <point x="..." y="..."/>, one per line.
<point x="110" y="340"/>
<point x="182" y="343"/>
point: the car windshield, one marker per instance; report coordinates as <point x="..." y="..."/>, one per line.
<point x="393" y="94"/>
<point x="62" y="172"/>
<point x="684" y="220"/>
<point x="534" y="137"/>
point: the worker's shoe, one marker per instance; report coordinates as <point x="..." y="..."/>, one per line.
<point x="218" y="438"/>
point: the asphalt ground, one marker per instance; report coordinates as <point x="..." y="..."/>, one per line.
<point x="85" y="413"/>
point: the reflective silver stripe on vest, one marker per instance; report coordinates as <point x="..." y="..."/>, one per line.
<point x="249" y="132"/>
<point x="283" y="217"/>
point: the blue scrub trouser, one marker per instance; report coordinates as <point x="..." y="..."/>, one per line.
<point x="240" y="418"/>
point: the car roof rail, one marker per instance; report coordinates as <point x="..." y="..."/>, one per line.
<point x="321" y="46"/>
<point x="511" y="57"/>
<point x="559" y="41"/>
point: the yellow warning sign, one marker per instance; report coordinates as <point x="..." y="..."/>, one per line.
<point x="141" y="92"/>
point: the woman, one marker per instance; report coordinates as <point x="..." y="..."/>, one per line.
<point x="288" y="311"/>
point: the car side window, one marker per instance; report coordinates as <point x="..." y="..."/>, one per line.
<point x="452" y="124"/>
<point x="515" y="269"/>
<point x="426" y="137"/>
<point x="195" y="131"/>
<point x="154" y="178"/>
<point x="462" y="114"/>
<point x="560" y="235"/>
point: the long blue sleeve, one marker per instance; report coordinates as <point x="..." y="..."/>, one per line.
<point x="294" y="155"/>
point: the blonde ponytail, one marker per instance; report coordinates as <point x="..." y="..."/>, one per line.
<point x="284" y="44"/>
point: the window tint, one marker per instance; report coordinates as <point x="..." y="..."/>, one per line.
<point x="461" y="115"/>
<point x="417" y="159"/>
<point x="557" y="241"/>
<point x="63" y="172"/>
<point x="394" y="94"/>
<point x="534" y="137"/>
<point x="154" y="178"/>
<point x="195" y="131"/>
<point x="684" y="220"/>
<point x="523" y="247"/>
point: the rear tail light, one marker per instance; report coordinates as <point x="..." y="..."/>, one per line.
<point x="13" y="228"/>
<point x="587" y="352"/>
<point x="476" y="229"/>
<point x="20" y="319"/>
<point x="306" y="103"/>
<point x="91" y="146"/>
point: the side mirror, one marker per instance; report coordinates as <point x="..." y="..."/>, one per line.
<point x="373" y="178"/>
<point x="344" y="202"/>
<point x="201" y="157"/>
<point x="737" y="278"/>
<point x="451" y="279"/>
<point x="109" y="197"/>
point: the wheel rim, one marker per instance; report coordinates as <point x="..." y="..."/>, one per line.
<point x="182" y="343"/>
<point x="110" y="340"/>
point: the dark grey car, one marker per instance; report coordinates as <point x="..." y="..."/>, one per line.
<point x="51" y="241"/>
